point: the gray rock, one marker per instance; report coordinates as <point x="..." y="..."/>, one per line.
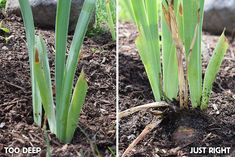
<point x="219" y="14"/>
<point x="44" y="12"/>
<point x="4" y="48"/>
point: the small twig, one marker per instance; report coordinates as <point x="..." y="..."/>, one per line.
<point x="12" y="102"/>
<point x="207" y="136"/>
<point x="14" y="85"/>
<point x="146" y="130"/>
<point x="142" y="107"/>
<point x="156" y="112"/>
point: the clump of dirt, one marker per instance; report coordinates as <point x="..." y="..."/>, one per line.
<point x="184" y="126"/>
<point x="188" y="117"/>
<point x="96" y="131"/>
<point x="214" y="127"/>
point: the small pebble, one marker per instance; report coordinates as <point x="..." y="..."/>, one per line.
<point x="215" y="107"/>
<point x="2" y="125"/>
<point x="217" y="112"/>
<point x="4" y="48"/>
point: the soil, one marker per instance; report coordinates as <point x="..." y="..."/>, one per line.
<point x="96" y="132"/>
<point x="214" y="127"/>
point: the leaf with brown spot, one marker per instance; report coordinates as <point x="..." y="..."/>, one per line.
<point x="36" y="56"/>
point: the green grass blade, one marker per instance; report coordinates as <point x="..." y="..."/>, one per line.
<point x="62" y="22"/>
<point x="4" y="29"/>
<point x="77" y="102"/>
<point x="30" y="32"/>
<point x="190" y="18"/>
<point x="110" y="20"/>
<point x="81" y="28"/>
<point x="45" y="91"/>
<point x="112" y="151"/>
<point x="213" y="68"/>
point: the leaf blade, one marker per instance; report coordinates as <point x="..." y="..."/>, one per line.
<point x="77" y="102"/>
<point x="145" y="15"/>
<point x="47" y="99"/>
<point x="190" y="21"/>
<point x="169" y="62"/>
<point x="213" y="68"/>
<point x="72" y="61"/>
<point x="62" y="23"/>
<point x="30" y="32"/>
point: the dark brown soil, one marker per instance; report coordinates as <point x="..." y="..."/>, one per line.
<point x="215" y="126"/>
<point x="98" y="115"/>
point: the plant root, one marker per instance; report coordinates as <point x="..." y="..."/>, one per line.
<point x="142" y="107"/>
<point x="146" y="130"/>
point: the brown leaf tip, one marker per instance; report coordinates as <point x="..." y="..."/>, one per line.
<point x="36" y="56"/>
